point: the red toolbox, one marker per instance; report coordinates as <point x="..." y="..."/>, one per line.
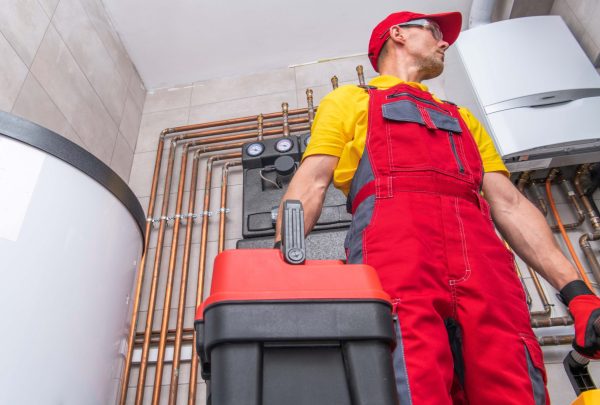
<point x="314" y="332"/>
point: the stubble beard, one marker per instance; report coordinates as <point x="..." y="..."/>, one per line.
<point x="431" y="67"/>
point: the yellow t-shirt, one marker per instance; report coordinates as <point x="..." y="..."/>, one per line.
<point x="340" y="129"/>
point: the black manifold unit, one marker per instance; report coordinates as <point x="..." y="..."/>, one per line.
<point x="269" y="166"/>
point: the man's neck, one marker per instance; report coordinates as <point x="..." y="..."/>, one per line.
<point x="404" y="73"/>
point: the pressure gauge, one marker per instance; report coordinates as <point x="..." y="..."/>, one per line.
<point x="284" y="145"/>
<point x="255" y="149"/>
<point x="306" y="140"/>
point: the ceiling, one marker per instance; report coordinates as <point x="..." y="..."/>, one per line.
<point x="183" y="41"/>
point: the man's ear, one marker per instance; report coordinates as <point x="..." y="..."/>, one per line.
<point x="397" y="35"/>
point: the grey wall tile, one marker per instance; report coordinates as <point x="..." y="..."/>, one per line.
<point x="242" y="107"/>
<point x="320" y="73"/>
<point x="35" y="105"/>
<point x="23" y="23"/>
<point x="212" y="91"/>
<point x="562" y="8"/>
<point x="12" y="75"/>
<point x="152" y="124"/>
<point x="167" y="99"/>
<point x="130" y="122"/>
<point x="49" y="6"/>
<point x="137" y="89"/>
<point x="110" y="39"/>
<point x="76" y="29"/>
<point x="122" y="158"/>
<point x="58" y="73"/>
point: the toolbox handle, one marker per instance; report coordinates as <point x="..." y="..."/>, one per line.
<point x="292" y="232"/>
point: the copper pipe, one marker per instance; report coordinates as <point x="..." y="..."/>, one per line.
<point x="311" y="107"/>
<point x="140" y="274"/>
<point x="555" y="340"/>
<point x="539" y="197"/>
<point x="252" y="127"/>
<point x="223" y="209"/>
<point x="578" y="264"/>
<point x="179" y="337"/>
<point x="585" y="246"/>
<point x="591" y="213"/>
<point x="139" y="397"/>
<point x="523" y="181"/>
<point x="170" y="275"/>
<point x="334" y="82"/>
<point x="246" y="135"/>
<point x="286" y="124"/>
<point x="260" y="128"/>
<point x="548" y="322"/>
<point x="202" y="260"/>
<point x="155" y="340"/>
<point x="538" y="286"/>
<point x="169" y="332"/>
<point x="231" y="121"/>
<point x="571" y="195"/>
<point x="361" y="75"/>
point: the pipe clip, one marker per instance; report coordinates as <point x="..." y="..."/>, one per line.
<point x="207" y="213"/>
<point x="225" y="210"/>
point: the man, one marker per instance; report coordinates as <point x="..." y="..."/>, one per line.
<point x="413" y="169"/>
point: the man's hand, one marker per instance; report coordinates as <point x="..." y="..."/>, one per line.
<point x="585" y="310"/>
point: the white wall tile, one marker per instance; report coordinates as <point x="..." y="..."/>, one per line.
<point x="562" y="8"/>
<point x="122" y="158"/>
<point x="23" y="23"/>
<point x="35" y="105"/>
<point x="320" y="73"/>
<point x="76" y="29"/>
<point x="12" y="75"/>
<point x="49" y="6"/>
<point x="130" y="122"/>
<point x="167" y="99"/>
<point x="58" y="73"/>
<point x="216" y="90"/>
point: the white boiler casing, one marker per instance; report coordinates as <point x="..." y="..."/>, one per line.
<point x="532" y="86"/>
<point x="70" y="241"/>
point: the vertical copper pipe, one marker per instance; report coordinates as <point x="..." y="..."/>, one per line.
<point x="572" y="196"/>
<point x="139" y="395"/>
<point x="183" y="284"/>
<point x="538" y="287"/>
<point x="522" y="182"/>
<point x="223" y="209"/>
<point x="170" y="275"/>
<point x="593" y="217"/>
<point x="202" y="263"/>
<point x="334" y="82"/>
<point x="140" y="274"/>
<point x="585" y="246"/>
<point x="259" y="123"/>
<point x="563" y="232"/>
<point x="361" y="75"/>
<point x="311" y="107"/>
<point x="286" y="124"/>
<point x="539" y="197"/>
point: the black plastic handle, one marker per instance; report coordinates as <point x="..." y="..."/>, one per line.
<point x="292" y="232"/>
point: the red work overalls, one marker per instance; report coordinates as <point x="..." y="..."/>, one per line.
<point x="464" y="332"/>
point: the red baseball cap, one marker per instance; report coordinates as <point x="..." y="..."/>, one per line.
<point x="450" y="25"/>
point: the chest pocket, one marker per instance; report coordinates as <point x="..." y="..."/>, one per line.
<point x="424" y="138"/>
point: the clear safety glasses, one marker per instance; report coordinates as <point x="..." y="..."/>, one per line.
<point x="429" y="25"/>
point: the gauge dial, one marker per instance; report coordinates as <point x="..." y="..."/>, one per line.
<point x="255" y="149"/>
<point x="306" y="140"/>
<point x="284" y="145"/>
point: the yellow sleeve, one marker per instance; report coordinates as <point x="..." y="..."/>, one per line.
<point x="333" y="126"/>
<point x="492" y="162"/>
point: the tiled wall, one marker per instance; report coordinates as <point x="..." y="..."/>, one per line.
<point x="583" y="18"/>
<point x="65" y="68"/>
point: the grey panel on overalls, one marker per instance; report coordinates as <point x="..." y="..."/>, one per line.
<point x="364" y="212"/>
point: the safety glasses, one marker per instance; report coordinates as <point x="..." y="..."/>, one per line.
<point x="429" y="25"/>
